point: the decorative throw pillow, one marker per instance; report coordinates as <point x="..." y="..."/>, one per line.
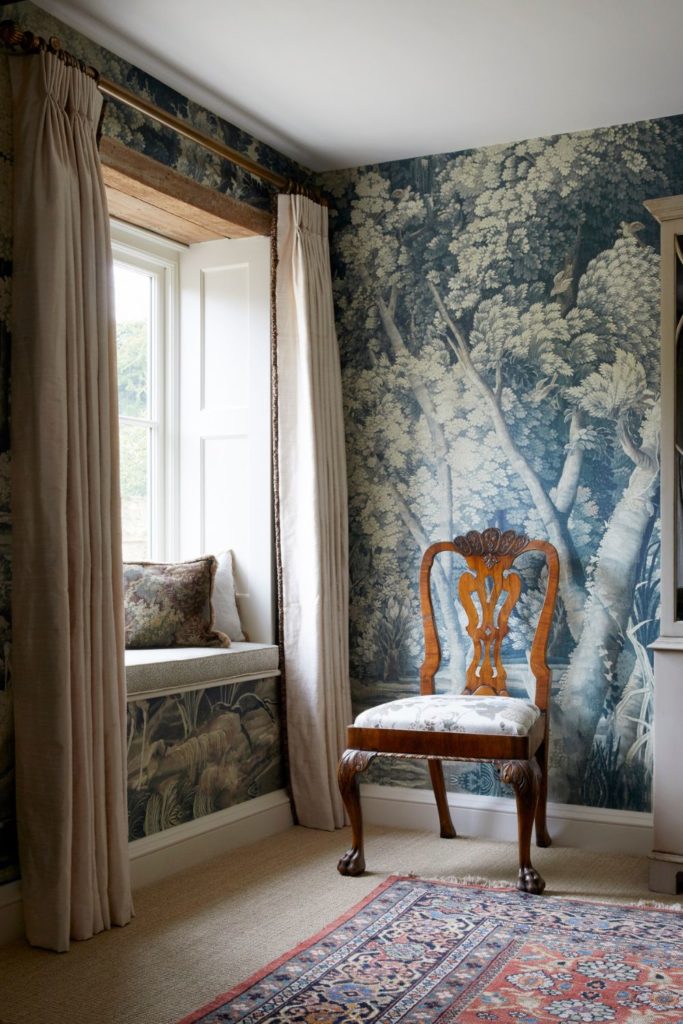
<point x="169" y="604"/>
<point x="225" y="614"/>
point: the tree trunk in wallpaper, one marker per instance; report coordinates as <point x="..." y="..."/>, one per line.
<point x="444" y="502"/>
<point x="555" y="527"/>
<point x="594" y="663"/>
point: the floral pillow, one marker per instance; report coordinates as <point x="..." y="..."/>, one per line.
<point x="169" y="604"/>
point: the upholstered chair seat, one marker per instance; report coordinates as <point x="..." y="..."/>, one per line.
<point x="440" y="712"/>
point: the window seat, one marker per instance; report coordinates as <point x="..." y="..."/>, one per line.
<point x="160" y="671"/>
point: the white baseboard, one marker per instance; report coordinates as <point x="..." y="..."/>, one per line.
<point x="589" y="828"/>
<point x="165" y="853"/>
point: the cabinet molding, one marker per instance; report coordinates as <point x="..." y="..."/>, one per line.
<point x="666" y="862"/>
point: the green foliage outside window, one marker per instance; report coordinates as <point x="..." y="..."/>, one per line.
<point x="132" y="346"/>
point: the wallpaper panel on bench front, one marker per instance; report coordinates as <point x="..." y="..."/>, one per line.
<point x="193" y="753"/>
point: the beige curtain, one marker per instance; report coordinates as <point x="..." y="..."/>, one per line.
<point x="312" y="512"/>
<point x="69" y="682"/>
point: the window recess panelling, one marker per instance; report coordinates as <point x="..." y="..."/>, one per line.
<point x="150" y="195"/>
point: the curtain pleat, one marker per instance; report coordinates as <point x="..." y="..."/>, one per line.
<point x="67" y="613"/>
<point x="313" y="526"/>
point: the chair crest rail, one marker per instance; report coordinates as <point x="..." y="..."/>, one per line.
<point x="488" y="592"/>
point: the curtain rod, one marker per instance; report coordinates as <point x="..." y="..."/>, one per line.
<point x="12" y="36"/>
<point x="117" y="92"/>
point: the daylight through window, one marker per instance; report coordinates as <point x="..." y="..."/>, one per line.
<point x="144" y="287"/>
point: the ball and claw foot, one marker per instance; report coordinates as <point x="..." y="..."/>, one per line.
<point x="352" y="863"/>
<point x="530" y="881"/>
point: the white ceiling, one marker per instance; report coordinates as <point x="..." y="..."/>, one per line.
<point x="340" y="83"/>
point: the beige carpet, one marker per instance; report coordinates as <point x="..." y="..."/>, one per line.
<point x="198" y="933"/>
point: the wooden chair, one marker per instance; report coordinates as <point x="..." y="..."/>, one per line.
<point x="481" y="724"/>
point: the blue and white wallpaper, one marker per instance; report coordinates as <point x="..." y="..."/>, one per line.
<point x="498" y="317"/>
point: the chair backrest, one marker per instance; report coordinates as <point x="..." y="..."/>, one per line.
<point x="489" y="556"/>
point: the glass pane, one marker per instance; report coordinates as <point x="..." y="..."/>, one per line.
<point x="133" y="331"/>
<point x="135" y="498"/>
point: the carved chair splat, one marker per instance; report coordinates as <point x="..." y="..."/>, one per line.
<point x="483" y="723"/>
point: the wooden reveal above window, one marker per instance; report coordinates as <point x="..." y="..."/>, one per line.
<point x="150" y="195"/>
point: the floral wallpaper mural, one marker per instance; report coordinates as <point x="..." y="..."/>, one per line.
<point x="498" y="316"/>
<point x="193" y="753"/>
<point x="147" y="137"/>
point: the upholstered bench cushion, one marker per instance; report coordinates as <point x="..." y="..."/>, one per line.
<point x="441" y="712"/>
<point x="157" y="668"/>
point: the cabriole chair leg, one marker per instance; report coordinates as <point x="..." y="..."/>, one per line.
<point x="525" y="777"/>
<point x="353" y="762"/>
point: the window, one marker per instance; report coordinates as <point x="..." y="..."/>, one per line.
<point x="145" y="281"/>
<point x="193" y="344"/>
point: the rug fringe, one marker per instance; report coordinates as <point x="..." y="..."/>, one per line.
<point x="484" y="883"/>
<point x="660" y="905"/>
<point x="501" y="883"/>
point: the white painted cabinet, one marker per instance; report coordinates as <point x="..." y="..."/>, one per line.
<point x="666" y="863"/>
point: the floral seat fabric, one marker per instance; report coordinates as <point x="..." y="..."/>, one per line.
<point x="443" y="712"/>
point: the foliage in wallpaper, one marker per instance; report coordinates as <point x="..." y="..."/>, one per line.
<point x="147" y="137"/>
<point x="498" y="315"/>
<point x="193" y="753"/>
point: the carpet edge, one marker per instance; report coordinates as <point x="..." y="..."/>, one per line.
<point x="241" y="986"/>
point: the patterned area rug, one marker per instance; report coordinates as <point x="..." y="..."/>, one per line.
<point x="420" y="951"/>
